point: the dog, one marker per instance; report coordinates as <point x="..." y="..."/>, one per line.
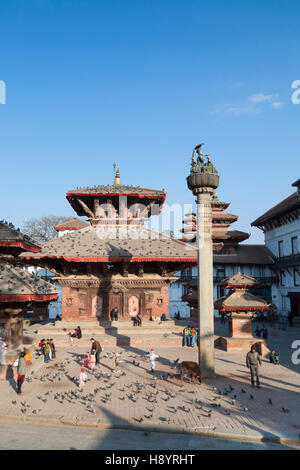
<point x="189" y="367"/>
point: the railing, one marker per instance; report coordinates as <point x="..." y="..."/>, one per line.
<point x="263" y="280"/>
<point x="287" y="261"/>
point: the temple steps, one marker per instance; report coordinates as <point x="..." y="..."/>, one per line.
<point x="122" y="333"/>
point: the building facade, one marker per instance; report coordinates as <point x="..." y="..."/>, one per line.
<point x="281" y="227"/>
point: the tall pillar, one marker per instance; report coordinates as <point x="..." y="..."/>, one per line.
<point x="202" y="181"/>
<point x="205" y="285"/>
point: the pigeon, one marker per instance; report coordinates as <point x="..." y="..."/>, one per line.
<point x="140" y="420"/>
<point x="270" y="401"/>
<point x="285" y="410"/>
<point x="162" y="418"/>
<point x="227" y="412"/>
<point x="243" y="391"/>
<point x="14" y="402"/>
<point x="148" y="416"/>
<point x="245" y="408"/>
<point x="35" y="411"/>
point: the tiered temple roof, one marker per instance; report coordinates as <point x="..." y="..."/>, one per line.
<point x="239" y="299"/>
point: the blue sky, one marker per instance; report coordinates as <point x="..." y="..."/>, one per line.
<point x="140" y="83"/>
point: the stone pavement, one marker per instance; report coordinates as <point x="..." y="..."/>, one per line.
<point x="135" y="399"/>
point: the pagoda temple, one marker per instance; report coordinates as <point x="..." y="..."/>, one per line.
<point x="20" y="291"/>
<point x="114" y="262"/>
<point x="225" y="240"/>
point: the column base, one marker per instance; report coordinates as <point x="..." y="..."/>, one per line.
<point x="242" y="344"/>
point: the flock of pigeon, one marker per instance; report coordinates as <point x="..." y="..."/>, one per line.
<point x="156" y="394"/>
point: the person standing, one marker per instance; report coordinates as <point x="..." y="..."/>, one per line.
<point x="21" y="371"/>
<point x="253" y="362"/>
<point x="184" y="337"/>
<point x="52" y="347"/>
<point x="3" y="348"/>
<point x="193" y="337"/>
<point x="265" y="333"/>
<point x="46" y="352"/>
<point x="96" y="346"/>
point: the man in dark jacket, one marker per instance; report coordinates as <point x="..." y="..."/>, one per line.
<point x="253" y="361"/>
<point x="96" y="346"/>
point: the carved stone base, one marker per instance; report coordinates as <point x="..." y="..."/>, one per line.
<point x="242" y="345"/>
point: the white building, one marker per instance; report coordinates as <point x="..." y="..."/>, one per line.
<point x="281" y="226"/>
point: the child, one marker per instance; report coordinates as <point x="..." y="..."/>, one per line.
<point x="117" y="361"/>
<point x="92" y="359"/>
<point x="41" y="347"/>
<point x="82" y="378"/>
<point x="152" y="358"/>
<point x="27" y="357"/>
<point x="86" y="360"/>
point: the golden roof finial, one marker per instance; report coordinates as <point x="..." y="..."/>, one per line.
<point x="117" y="180"/>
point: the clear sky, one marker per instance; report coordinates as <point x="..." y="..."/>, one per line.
<point x="140" y="83"/>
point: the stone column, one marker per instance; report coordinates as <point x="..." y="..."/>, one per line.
<point x="205" y="284"/>
<point x="202" y="181"/>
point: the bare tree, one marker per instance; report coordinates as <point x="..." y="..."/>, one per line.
<point x="42" y="229"/>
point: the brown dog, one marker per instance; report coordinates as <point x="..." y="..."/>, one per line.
<point x="191" y="368"/>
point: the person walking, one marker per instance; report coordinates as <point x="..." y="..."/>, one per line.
<point x="253" y="361"/>
<point x="96" y="346"/>
<point x="21" y="371"/>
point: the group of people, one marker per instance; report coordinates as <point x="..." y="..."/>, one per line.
<point x="190" y="336"/>
<point x="47" y="349"/>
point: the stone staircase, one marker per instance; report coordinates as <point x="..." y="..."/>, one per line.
<point x="120" y="333"/>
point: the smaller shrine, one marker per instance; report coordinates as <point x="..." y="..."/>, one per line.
<point x="20" y="291"/>
<point x="240" y="307"/>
